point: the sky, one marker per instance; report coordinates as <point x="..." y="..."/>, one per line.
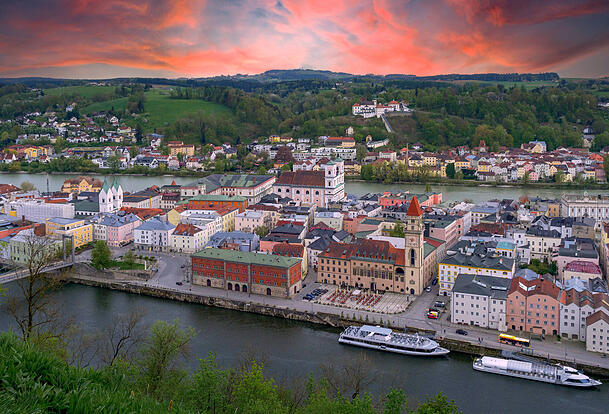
<point x="198" y="38"/>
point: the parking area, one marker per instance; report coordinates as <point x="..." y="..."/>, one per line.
<point x="388" y="303"/>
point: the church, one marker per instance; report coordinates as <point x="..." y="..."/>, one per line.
<point x="110" y="197"/>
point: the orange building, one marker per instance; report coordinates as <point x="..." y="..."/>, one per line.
<point x="215" y="201"/>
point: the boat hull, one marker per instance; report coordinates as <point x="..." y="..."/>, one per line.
<point x="533" y="378"/>
<point x="439" y="351"/>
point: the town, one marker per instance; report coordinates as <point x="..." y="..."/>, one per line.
<point x="530" y="267"/>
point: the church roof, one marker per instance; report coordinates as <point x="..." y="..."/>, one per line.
<point x="116" y="185"/>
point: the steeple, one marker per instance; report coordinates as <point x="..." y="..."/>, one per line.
<point x="414" y="210"/>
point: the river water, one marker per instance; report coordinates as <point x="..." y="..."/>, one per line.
<point x="294" y="349"/>
<point x="449" y="192"/>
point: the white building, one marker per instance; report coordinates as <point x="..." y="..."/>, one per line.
<point x="110" y="197"/>
<point x="468" y="262"/>
<point x="480" y="301"/>
<point x="39" y="210"/>
<point x="315" y="187"/>
<point x="576" y="205"/>
<point x="187" y="238"/>
<point x="597" y="332"/>
<point x="332" y="219"/>
<point x="153" y="235"/>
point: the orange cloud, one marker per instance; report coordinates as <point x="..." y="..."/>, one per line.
<point x="207" y="37"/>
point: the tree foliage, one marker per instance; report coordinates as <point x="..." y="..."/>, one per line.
<point x="101" y="257"/>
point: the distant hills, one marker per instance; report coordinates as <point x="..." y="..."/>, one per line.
<point x="288" y="75"/>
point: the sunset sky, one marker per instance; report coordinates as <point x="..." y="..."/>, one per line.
<point x="194" y="38"/>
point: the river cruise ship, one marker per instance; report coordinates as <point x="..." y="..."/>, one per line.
<point x="536" y="371"/>
<point x="385" y="339"/>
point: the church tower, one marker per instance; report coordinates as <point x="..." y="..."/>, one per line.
<point x="414" y="248"/>
<point x="117" y="191"/>
<point x="106" y="198"/>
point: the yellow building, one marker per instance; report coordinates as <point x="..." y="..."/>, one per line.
<point x="484" y="166"/>
<point x="461" y="164"/>
<point x="82" y="232"/>
<point x="430" y="160"/>
<point x="81" y="184"/>
<point x="553" y="209"/>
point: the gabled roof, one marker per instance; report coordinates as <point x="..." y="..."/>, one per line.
<point x="414" y="210"/>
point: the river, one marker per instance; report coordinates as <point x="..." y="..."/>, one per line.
<point x="449" y="192"/>
<point x="294" y="349"/>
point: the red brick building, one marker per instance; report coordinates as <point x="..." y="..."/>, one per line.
<point x="263" y="274"/>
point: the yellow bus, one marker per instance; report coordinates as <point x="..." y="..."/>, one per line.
<point x="514" y="340"/>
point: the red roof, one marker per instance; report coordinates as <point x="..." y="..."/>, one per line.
<point x="414" y="209"/>
<point x="583" y="266"/>
<point x="302" y="178"/>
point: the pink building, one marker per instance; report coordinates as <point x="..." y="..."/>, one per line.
<point x="116" y="230"/>
<point x="533" y="305"/>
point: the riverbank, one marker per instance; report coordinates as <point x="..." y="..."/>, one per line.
<point x="334" y="320"/>
<point x="471" y="183"/>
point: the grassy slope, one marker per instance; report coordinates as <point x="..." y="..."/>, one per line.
<point x="162" y="109"/>
<point x="84" y="91"/>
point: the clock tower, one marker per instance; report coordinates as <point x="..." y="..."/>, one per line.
<point x="414" y="248"/>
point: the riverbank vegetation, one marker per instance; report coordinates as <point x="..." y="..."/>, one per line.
<point x="154" y="380"/>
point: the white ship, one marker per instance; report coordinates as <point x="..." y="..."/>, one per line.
<point x="536" y="371"/>
<point x="385" y="339"/>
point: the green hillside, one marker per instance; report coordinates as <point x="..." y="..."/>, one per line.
<point x="161" y="109"/>
<point x="86" y="91"/>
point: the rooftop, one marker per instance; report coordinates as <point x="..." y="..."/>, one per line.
<point x="248" y="258"/>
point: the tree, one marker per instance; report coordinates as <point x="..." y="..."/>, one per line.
<point x="559" y="177"/>
<point x="31" y="306"/>
<point x="438" y="405"/>
<point x="123" y="337"/>
<point x="397" y="230"/>
<point x="606" y="165"/>
<point x="261" y="231"/>
<point x="114" y="163"/>
<point x="526" y="178"/>
<point x="450" y="170"/>
<point x="129" y="259"/>
<point x="351" y="378"/>
<point x="161" y="357"/>
<point x="27" y="186"/>
<point x="101" y="257"/>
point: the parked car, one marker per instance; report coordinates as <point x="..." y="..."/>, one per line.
<point x="179" y="283"/>
<point x="434" y="282"/>
<point x="461" y="332"/>
<point x="428" y="289"/>
<point x="183" y="266"/>
<point x="439" y="304"/>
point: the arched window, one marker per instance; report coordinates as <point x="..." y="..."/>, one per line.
<point x="412" y="257"/>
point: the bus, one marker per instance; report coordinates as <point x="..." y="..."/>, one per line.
<point x="514" y="340"/>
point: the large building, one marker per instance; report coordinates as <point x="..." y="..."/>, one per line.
<point x="314" y="187"/>
<point x="81" y="184"/>
<point x="187" y="238"/>
<point x="480" y="301"/>
<point x="116" y="230"/>
<point x="387" y="264"/>
<point x="252" y="187"/>
<point x="216" y="201"/>
<point x="578" y="205"/>
<point x="78" y="229"/>
<point x="110" y="197"/>
<point x="40" y="210"/>
<point x="262" y="274"/>
<point x="534" y="306"/>
<point x="153" y="235"/>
